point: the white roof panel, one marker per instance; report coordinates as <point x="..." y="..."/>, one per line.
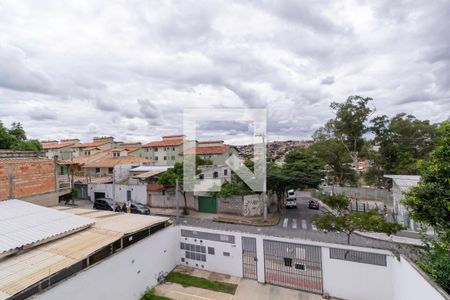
<point x="23" y="224"/>
<point x="150" y="168"/>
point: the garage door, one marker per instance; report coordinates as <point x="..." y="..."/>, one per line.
<point x="207" y="204"/>
<point x="294" y="266"/>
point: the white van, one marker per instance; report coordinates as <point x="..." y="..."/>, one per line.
<point x="291" y="200"/>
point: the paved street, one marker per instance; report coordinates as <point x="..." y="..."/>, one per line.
<point x="299" y="218"/>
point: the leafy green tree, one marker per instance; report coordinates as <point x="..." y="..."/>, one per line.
<point x="337" y="160"/>
<point x="16" y="139"/>
<point x="349" y="222"/>
<point x="429" y="204"/>
<point x="402" y="141"/>
<point x="169" y="178"/>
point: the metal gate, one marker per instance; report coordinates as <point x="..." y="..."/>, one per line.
<point x="294" y="266"/>
<point x="207" y="204"/>
<point x="249" y="258"/>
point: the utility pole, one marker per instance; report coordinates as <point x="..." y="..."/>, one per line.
<point x="265" y="180"/>
<point x="178" y="204"/>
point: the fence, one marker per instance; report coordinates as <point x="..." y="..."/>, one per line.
<point x="367" y="194"/>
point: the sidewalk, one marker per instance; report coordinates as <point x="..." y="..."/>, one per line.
<point x="272" y="219"/>
<point x="381" y="236"/>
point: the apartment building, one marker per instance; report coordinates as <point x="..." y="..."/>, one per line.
<point x="59" y="150"/>
<point x="165" y="152"/>
<point x="97" y="145"/>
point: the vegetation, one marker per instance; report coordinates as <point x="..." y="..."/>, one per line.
<point x="429" y="204"/>
<point x="350" y="221"/>
<point x="150" y="295"/>
<point x="14" y="138"/>
<point x="301" y="170"/>
<point x="188" y="280"/>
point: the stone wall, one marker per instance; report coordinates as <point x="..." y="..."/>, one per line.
<point x="231" y="205"/>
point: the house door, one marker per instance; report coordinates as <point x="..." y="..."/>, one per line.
<point x="293" y="266"/>
<point x="249" y="258"/>
<point x="207" y="204"/>
<point x="128" y="195"/>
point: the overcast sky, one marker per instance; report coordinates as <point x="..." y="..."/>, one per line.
<point x="128" y="68"/>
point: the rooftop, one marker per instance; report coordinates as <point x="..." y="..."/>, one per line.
<point x="57" y="146"/>
<point x="92" y="144"/>
<point x="110" y="162"/>
<point x="165" y="143"/>
<point x="23" y="225"/>
<point x="207" y="150"/>
<point x="48" y="263"/>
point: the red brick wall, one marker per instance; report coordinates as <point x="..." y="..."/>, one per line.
<point x="31" y="176"/>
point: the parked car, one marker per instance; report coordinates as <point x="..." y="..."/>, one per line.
<point x="139" y="208"/>
<point x="313" y="204"/>
<point x="291" y="194"/>
<point x="104" y="204"/>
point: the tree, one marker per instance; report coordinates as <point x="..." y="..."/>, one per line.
<point x="402" y="141"/>
<point x="349" y="222"/>
<point x="336" y="158"/>
<point x="16" y="139"/>
<point x="169" y="179"/>
<point x="429" y="204"/>
<point x="341" y="140"/>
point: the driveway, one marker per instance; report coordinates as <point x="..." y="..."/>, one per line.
<point x="250" y="289"/>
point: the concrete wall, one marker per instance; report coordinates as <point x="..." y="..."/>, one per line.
<point x="168" y="199"/>
<point x="138" y="192"/>
<point x="230" y="205"/>
<point x="398" y="280"/>
<point x="361" y="193"/>
<point x="410" y="283"/>
<point x="125" y="275"/>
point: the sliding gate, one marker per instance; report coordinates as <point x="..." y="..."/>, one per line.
<point x="249" y="258"/>
<point x="294" y="266"/>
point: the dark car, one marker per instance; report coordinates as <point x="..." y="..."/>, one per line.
<point x="313" y="204"/>
<point x="104" y="204"/>
<point x="138" y="208"/>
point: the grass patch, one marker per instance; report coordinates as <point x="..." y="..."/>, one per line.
<point x="203" y="283"/>
<point x="150" y="295"/>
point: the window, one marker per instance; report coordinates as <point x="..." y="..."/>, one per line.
<point x="211" y="251"/>
<point x="215" y="174"/>
<point x="300" y="267"/>
<point x="110" y="170"/>
<point x="173" y="157"/>
<point x="97" y="170"/>
<point x="195" y="252"/>
<point x="173" y="148"/>
<point x="201" y="176"/>
<point x="225" y="172"/>
<point x="156" y="157"/>
<point x="226" y="254"/>
<point x="165" y="157"/>
<point x="224" y="237"/>
<point x="116" y="154"/>
<point x="287" y="262"/>
<point x="156" y="149"/>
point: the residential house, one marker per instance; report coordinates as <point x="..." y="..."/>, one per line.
<point x="400" y="185"/>
<point x="58" y="150"/>
<point x="165" y="152"/>
<point x="105" y="166"/>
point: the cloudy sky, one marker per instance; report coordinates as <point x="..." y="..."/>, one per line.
<point x="129" y="68"/>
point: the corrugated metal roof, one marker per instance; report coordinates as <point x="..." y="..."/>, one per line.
<point x="150" y="168"/>
<point x="24" y="224"/>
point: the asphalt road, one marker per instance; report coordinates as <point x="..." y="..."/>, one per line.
<point x="299" y="218"/>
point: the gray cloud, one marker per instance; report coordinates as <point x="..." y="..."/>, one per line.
<point x="281" y="55"/>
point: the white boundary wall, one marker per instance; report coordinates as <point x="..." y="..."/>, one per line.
<point x="398" y="280"/>
<point x="138" y="192"/>
<point x="125" y="275"/>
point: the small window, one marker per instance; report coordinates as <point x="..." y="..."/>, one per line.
<point x="156" y="157"/>
<point x="226" y="254"/>
<point x="97" y="170"/>
<point x="182" y="259"/>
<point x="173" y="157"/>
<point x="188" y="255"/>
<point x="197" y="256"/>
<point x="110" y="170"/>
<point x="224" y="238"/>
<point x="300" y="267"/>
<point x="201" y="176"/>
<point x="287" y="262"/>
<point x="211" y="251"/>
<point x="182" y="246"/>
<point x="173" y="148"/>
<point x="215" y="175"/>
<point x="165" y="157"/>
<point x="203" y="249"/>
<point x="225" y="172"/>
<point x="203" y="257"/>
<point x="156" y="149"/>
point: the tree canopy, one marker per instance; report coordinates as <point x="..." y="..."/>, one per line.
<point x="14" y="138"/>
